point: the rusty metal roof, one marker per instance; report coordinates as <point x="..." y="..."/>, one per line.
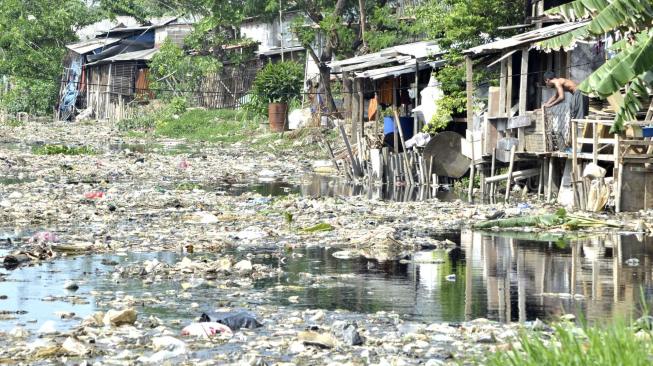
<point x="529" y="38"/>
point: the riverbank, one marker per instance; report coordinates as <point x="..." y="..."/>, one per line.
<point x="174" y="227"/>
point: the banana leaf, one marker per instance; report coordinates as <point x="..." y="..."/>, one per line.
<point x="578" y="9"/>
<point x="323" y="226"/>
<point x="629" y="64"/>
<point x="547" y="220"/>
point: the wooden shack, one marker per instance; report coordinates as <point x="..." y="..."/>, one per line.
<point x="515" y="132"/>
<point x="103" y="73"/>
<point x="380" y="86"/>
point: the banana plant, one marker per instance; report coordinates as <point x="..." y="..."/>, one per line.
<point x="631" y="66"/>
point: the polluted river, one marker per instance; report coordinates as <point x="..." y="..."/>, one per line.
<point x="172" y="253"/>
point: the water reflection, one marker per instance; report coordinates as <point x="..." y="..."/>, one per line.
<point x="496" y="277"/>
<point x="326" y="186"/>
<point x="528" y="279"/>
<point x="316" y="186"/>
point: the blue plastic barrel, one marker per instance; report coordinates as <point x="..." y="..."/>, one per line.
<point x="406" y="126"/>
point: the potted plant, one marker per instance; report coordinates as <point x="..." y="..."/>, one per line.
<point x="278" y="84"/>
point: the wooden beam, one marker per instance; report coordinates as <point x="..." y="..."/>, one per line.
<point x="509" y="87"/>
<point x="108" y="93"/>
<point x="361" y="115"/>
<point x="574" y="162"/>
<point x="492" y="170"/>
<point x="549" y="178"/>
<point x="416" y="103"/>
<point x="595" y="144"/>
<point x="511" y="166"/>
<point x="97" y="93"/>
<point x="523" y="87"/>
<point x="347" y="95"/>
<point x="618" y="169"/>
<point x="355" y="105"/>
<point x="394" y="105"/>
<point x="502" y="89"/>
<point x="470" y="95"/>
<point x="470" y="120"/>
<point x="520" y="174"/>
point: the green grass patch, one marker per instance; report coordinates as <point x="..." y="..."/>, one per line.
<point x="136" y="134"/>
<point x="63" y="150"/>
<point x="608" y="345"/>
<point x="222" y="125"/>
<point x="13" y="122"/>
<point x="187" y="186"/>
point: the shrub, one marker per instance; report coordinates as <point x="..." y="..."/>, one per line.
<point x="35" y="97"/>
<point x="63" y="150"/>
<point x="278" y="83"/>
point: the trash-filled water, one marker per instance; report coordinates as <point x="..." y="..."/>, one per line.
<point x="488" y="276"/>
<point x="159" y="231"/>
<point x="316" y="186"/>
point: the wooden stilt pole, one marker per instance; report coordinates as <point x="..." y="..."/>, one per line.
<point x="510" y="168"/>
<point x="549" y="184"/>
<point x="540" y="183"/>
<point x="619" y="167"/>
<point x="574" y="163"/>
<point x="492" y="169"/>
<point x="470" y="189"/>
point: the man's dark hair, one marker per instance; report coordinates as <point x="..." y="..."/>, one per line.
<point x="549" y="75"/>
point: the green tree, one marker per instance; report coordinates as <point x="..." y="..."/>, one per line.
<point x="633" y="62"/>
<point x="339" y="23"/>
<point x="33" y="34"/>
<point x="173" y="69"/>
<point x="459" y="25"/>
<point x="143" y="10"/>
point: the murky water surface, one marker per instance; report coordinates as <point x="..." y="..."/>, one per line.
<point x="497" y="277"/>
<point x="315" y="185"/>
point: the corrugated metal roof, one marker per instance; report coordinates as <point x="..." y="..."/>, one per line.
<point x="403" y="54"/>
<point x="376" y="74"/>
<point x="90" y="31"/>
<point x="155" y="23"/>
<point x="526" y="38"/>
<point x="277" y="50"/>
<point x="92" y="44"/>
<point x="142" y="55"/>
